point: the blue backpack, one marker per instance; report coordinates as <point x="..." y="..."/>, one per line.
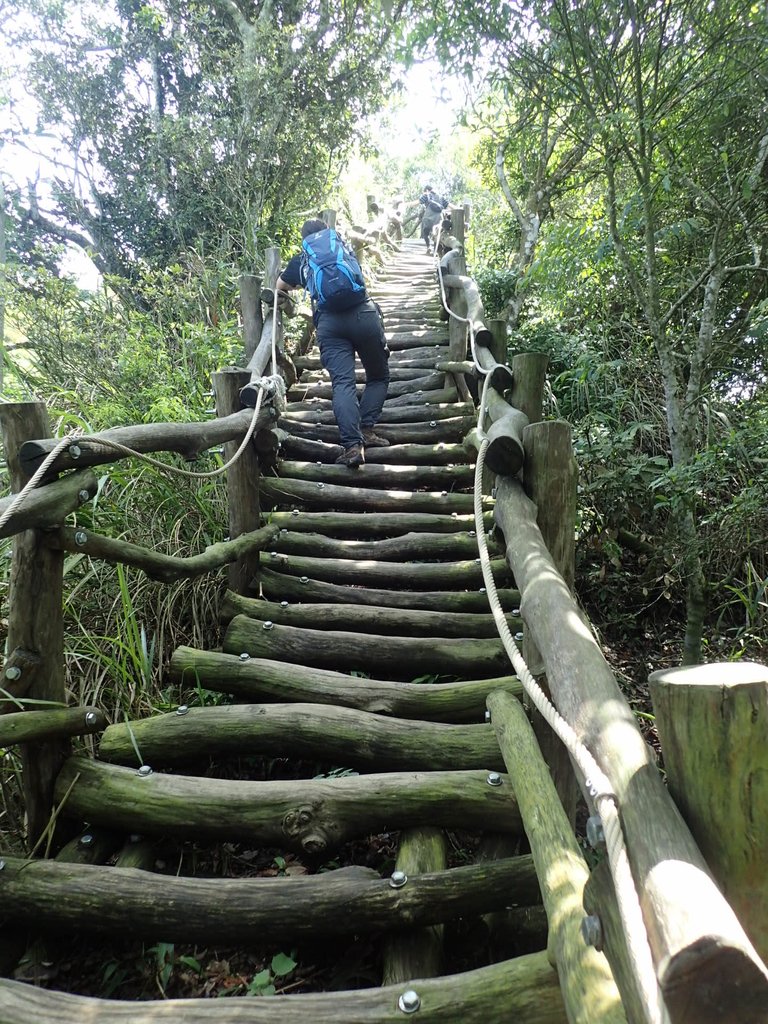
<point x="331" y="272"/>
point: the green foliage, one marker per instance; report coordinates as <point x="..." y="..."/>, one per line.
<point x="195" y="125"/>
<point x="263" y="983"/>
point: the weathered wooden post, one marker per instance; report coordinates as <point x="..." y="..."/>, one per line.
<point x="529" y="370"/>
<point x="549" y="478"/>
<point x="498" y="346"/>
<point x="713" y="726"/>
<point x="417" y="953"/>
<point x="457" y="329"/>
<point x="250" y="309"/>
<point x="35" y="667"/>
<point x="242" y="480"/>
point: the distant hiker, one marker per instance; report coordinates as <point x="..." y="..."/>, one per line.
<point x="347" y="323"/>
<point x="433" y="212"/>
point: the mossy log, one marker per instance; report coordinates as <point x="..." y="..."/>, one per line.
<point x="351" y="900"/>
<point x="398" y="655"/>
<point x="91" y="846"/>
<point x="155" y="564"/>
<point x="357" y="739"/>
<point x="364" y="619"/>
<point x="265" y="680"/>
<point x="713" y="726"/>
<point x="524" y="989"/>
<point x="419" y="431"/>
<point x="283" y="587"/>
<point x="315" y="374"/>
<point x="187" y="439"/>
<point x="137" y="852"/>
<point x="386" y="476"/>
<point x="414" y="575"/>
<point x="413" y="340"/>
<point x="437" y="396"/>
<point x="313" y="815"/>
<point x="414" y="411"/>
<point x="422" y="547"/>
<point x="29" y="726"/>
<point x="310" y="366"/>
<point x="600" y="901"/>
<point x="426" y="357"/>
<point x="48" y="506"/>
<point x="386" y="524"/>
<point x="358" y="496"/>
<point x="707" y="968"/>
<point x="589" y="991"/>
<point x="418" y="952"/>
<point x="428" y="400"/>
<point x="441" y="454"/>
<point x="303" y="392"/>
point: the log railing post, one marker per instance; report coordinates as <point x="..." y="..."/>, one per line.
<point x="529" y="370"/>
<point x="250" y="309"/>
<point x="418" y="952"/>
<point x="498" y="346"/>
<point x="713" y="725"/>
<point x="35" y="626"/>
<point x="242" y="480"/>
<point x="457" y="329"/>
<point x="550" y="475"/>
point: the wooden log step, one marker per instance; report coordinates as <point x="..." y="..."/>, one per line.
<point x="364" y="619"/>
<point x="34" y="725"/>
<point x="434" y="478"/>
<point x="428" y="431"/>
<point x="363" y="572"/>
<point x="283" y="587"/>
<point x="312" y="373"/>
<point x="275" y="492"/>
<point x="399" y="656"/>
<point x="432" y="347"/>
<point x="81" y="898"/>
<point x="385" y="524"/>
<point x="423" y="399"/>
<point x="357" y="739"/>
<point x="441" y="396"/>
<point x="524" y="989"/>
<point x="307" y="412"/>
<point x="265" y="680"/>
<point x="323" y="389"/>
<point x="319" y="394"/>
<point x="441" y="454"/>
<point x="401" y="341"/>
<point x="313" y="815"/>
<point x="426" y="357"/>
<point x="422" y="547"/>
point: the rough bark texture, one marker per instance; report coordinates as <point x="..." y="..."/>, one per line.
<point x="524" y="989"/>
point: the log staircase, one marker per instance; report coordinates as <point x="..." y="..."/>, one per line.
<point x="369" y="648"/>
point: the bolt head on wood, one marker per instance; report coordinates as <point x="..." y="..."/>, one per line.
<point x="397" y="879"/>
<point x="409" y="1001"/>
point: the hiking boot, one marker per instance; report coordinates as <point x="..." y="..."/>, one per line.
<point x="373" y="440"/>
<point x="352" y="457"/>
